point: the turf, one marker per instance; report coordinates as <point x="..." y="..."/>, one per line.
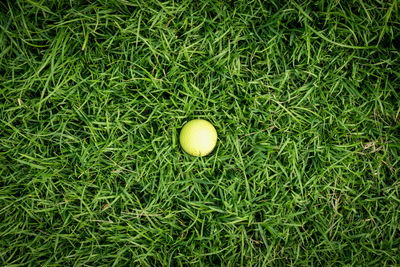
<point x="305" y="98"/>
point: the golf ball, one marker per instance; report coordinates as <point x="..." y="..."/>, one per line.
<point x="198" y="137"/>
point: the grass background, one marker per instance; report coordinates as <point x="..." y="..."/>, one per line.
<point x="304" y="96"/>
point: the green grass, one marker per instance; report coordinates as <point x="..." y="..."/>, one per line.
<point x="305" y="98"/>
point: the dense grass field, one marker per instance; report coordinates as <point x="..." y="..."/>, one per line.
<point x="305" y="98"/>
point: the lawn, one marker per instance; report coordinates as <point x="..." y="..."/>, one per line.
<point x="304" y="96"/>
